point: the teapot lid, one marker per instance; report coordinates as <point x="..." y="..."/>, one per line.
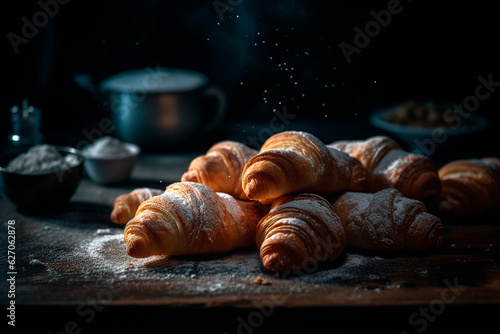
<point x="154" y="80"/>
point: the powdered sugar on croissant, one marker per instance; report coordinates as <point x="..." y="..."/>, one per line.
<point x="294" y="161"/>
<point x="191" y="218"/>
<point x="221" y="167"/>
<point x="387" y="221"/>
<point x="389" y="166"/>
<point x="300" y="230"/>
<point x="126" y="205"/>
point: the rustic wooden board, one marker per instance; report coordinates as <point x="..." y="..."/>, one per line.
<point x="62" y="260"/>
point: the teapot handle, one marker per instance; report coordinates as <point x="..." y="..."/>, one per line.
<point x="220" y="96"/>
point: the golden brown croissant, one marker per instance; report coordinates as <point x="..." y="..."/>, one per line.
<point x="300" y="230"/>
<point x="191" y="218"/>
<point x="389" y="166"/>
<point x="470" y="186"/>
<point x="292" y="161"/>
<point x="221" y="167"/>
<point x="126" y="205"/>
<point x="387" y="221"/>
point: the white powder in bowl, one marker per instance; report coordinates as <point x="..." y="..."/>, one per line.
<point x="107" y="147"/>
<point x="42" y="159"/>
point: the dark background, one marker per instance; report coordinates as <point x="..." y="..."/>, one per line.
<point x="428" y="51"/>
<point x="431" y="50"/>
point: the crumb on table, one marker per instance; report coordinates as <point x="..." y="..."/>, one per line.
<point x="259" y="280"/>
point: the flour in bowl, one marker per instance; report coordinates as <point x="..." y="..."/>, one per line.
<point x="107" y="147"/>
<point x="42" y="159"/>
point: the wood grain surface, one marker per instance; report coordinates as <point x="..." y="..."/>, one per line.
<point x="76" y="256"/>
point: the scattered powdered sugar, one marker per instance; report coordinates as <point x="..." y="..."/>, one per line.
<point x="296" y="222"/>
<point x="296" y="143"/>
<point x="93" y="259"/>
<point x="358" y="202"/>
<point x="104" y="252"/>
<point x="390" y="162"/>
<point x="232" y="206"/>
<point x="206" y="203"/>
<point x="347" y="146"/>
<point x="197" y="213"/>
<point x="341" y="161"/>
<point x="366" y="219"/>
<point x="379" y="220"/>
<point x="488" y="163"/>
<point x="105" y="258"/>
<point x="313" y="204"/>
<point x="402" y="206"/>
<point x="97" y="261"/>
<point x="195" y="203"/>
<point x="355" y="261"/>
<point x="103" y="231"/>
<point x="36" y="262"/>
<point x="303" y="201"/>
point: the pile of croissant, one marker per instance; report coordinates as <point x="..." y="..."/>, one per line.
<point x="301" y="201"/>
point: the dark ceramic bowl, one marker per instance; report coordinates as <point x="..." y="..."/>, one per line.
<point x="41" y="191"/>
<point x="428" y="140"/>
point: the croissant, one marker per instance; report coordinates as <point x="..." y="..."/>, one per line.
<point x="125" y="206"/>
<point x="191" y="218"/>
<point x="300" y="230"/>
<point x="221" y="167"/>
<point x="291" y="162"/>
<point x="470" y="186"/>
<point x="389" y="166"/>
<point x="387" y="221"/>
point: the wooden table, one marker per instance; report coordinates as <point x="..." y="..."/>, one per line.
<point x="72" y="263"/>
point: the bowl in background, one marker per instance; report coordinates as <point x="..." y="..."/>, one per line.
<point x="428" y="140"/>
<point x="111" y="170"/>
<point x="41" y="191"/>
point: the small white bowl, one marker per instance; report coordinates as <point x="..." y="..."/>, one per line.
<point x="111" y="170"/>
